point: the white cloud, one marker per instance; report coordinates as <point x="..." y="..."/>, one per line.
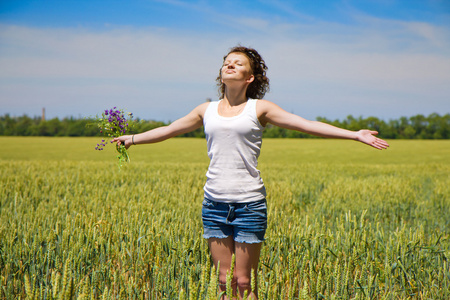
<point x="147" y="54"/>
<point x="320" y="68"/>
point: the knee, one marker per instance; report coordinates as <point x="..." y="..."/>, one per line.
<point x="243" y="282"/>
<point x="222" y="278"/>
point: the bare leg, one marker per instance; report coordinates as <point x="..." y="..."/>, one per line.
<point x="247" y="258"/>
<point x="222" y="251"/>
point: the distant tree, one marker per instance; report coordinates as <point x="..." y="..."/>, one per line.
<point x="438" y="127"/>
<point x="416" y="127"/>
<point x="23" y="126"/>
<point x="419" y="123"/>
<point x="8" y="125"/>
<point x="409" y="132"/>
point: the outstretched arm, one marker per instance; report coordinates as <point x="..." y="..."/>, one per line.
<point x="269" y="112"/>
<point x="188" y="123"/>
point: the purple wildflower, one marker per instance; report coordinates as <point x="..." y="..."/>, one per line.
<point x="114" y="123"/>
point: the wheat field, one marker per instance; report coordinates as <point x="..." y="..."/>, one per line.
<point x="345" y="221"/>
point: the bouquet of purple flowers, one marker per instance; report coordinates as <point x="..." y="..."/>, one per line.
<point x="114" y="123"/>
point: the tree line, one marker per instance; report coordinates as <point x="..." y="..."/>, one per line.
<point x="433" y="126"/>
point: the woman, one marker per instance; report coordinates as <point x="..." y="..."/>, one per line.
<point x="234" y="207"/>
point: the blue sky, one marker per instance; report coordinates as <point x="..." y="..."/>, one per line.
<point x="159" y="59"/>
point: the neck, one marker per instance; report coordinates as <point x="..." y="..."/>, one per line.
<point x="235" y="96"/>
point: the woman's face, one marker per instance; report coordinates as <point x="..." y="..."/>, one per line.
<point x="236" y="67"/>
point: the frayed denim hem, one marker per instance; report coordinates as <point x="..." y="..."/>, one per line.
<point x="249" y="242"/>
<point x="215" y="236"/>
<point x="236" y="239"/>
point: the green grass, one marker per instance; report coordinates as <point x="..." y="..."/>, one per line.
<point x="345" y="221"/>
<point x="181" y="150"/>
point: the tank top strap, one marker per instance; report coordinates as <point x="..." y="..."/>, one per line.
<point x="251" y="107"/>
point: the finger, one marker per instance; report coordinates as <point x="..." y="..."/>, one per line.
<point x="120" y="143"/>
<point x="377" y="146"/>
<point x="384" y="143"/>
<point x="380" y="144"/>
<point x="373" y="132"/>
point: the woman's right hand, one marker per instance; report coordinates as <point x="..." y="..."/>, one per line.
<point x="124" y="140"/>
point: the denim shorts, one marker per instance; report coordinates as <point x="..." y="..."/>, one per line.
<point x="246" y="222"/>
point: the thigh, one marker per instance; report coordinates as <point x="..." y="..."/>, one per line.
<point x="222" y="250"/>
<point x="246" y="255"/>
<point x="247" y="258"/>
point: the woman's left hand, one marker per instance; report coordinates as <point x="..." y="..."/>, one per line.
<point x="368" y="137"/>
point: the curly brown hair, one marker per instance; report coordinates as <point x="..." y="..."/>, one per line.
<point x="260" y="85"/>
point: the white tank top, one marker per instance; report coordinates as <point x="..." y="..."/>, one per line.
<point x="234" y="144"/>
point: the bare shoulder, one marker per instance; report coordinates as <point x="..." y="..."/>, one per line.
<point x="265" y="106"/>
<point x="263" y="109"/>
<point x="269" y="112"/>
